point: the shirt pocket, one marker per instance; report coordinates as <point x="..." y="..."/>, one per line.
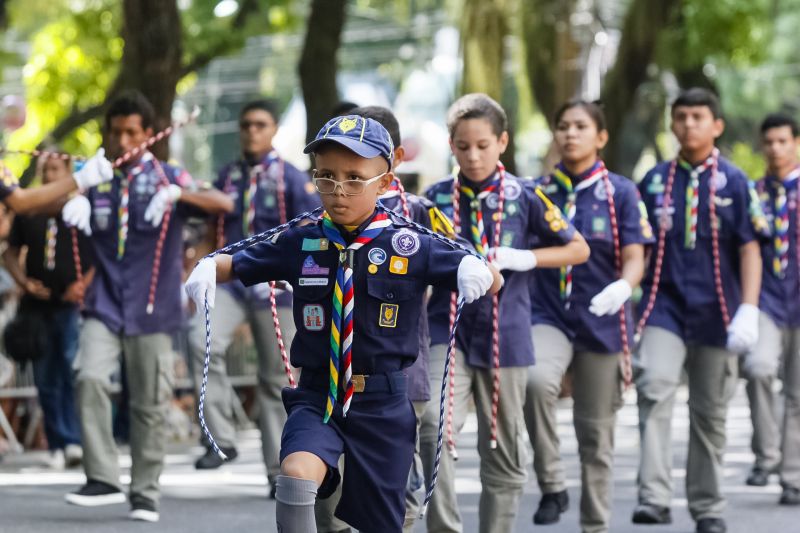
<point x="103" y="214"/>
<point x="312" y="307"/>
<point x="392" y="306"/>
<point x="726" y="218"/>
<point x="136" y="210"/>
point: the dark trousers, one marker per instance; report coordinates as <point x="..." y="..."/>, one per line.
<point x="52" y="374"/>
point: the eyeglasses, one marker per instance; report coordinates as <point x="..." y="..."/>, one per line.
<point x="245" y="125"/>
<point x="328" y="185"/>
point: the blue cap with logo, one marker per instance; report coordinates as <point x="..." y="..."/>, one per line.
<point x="364" y="136"/>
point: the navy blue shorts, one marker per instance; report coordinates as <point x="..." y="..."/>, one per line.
<point x="377" y="440"/>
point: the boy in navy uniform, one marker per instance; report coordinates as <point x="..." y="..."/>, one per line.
<point x="423" y="212"/>
<point x="779" y="322"/>
<point x="478" y="137"/>
<point x="705" y="271"/>
<point x="132" y="307"/>
<point x="265" y="191"/>
<point x="357" y="323"/>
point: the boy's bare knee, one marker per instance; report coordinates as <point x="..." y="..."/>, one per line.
<point x="304" y="465"/>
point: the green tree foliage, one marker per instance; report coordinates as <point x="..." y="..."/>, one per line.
<point x="77" y="48"/>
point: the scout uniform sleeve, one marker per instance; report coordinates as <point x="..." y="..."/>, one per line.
<point x="265" y="261"/>
<point x="443" y="261"/>
<point x="758" y="220"/>
<point x="545" y="220"/>
<point x="750" y="219"/>
<point x="8" y="182"/>
<point x="634" y="225"/>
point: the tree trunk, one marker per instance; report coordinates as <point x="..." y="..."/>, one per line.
<point x="150" y="63"/>
<point x="318" y="63"/>
<point x="552" y="55"/>
<point x="641" y="32"/>
<point x="483" y="31"/>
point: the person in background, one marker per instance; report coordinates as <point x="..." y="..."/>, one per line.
<point x="52" y="294"/>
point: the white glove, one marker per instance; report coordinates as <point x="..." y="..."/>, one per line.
<point x="743" y="329"/>
<point x="95" y="171"/>
<point x="474" y="278"/>
<point x="78" y="213"/>
<point x="161" y="202"/>
<point x="202" y="283"/>
<point x="611" y="298"/>
<point x="261" y="290"/>
<point x="506" y="258"/>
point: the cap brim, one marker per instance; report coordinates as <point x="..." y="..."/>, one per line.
<point x="359" y="148"/>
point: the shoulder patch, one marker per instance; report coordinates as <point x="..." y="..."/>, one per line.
<point x="440" y="223"/>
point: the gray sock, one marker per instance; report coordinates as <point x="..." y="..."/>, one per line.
<point x="294" y="509"/>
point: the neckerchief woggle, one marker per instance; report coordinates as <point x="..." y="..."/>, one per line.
<point x="567" y="182"/>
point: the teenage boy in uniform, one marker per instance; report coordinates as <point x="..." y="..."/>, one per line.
<point x="705" y="271"/>
<point x="779" y="322"/>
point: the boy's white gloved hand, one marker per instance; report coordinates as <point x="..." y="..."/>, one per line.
<point x="203" y="281"/>
<point x="743" y="329"/>
<point x="77" y="212"/>
<point x="611" y="298"/>
<point x="161" y="202"/>
<point x="474" y="278"/>
<point x="95" y="171"/>
<point x="507" y="258"/>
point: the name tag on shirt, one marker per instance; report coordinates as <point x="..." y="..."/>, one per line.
<point x="313" y="282"/>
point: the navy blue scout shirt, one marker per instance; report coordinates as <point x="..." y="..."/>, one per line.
<point x="528" y="215"/>
<point x="300" y="196"/>
<point x="423" y="212"/>
<point x="687" y="302"/>
<point x="119" y="293"/>
<point x="780" y="297"/>
<point x="593" y="220"/>
<point x="8" y="182"/>
<point x="390" y="278"/>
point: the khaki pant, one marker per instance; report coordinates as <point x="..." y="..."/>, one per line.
<point x="227" y="315"/>
<point x="597" y="393"/>
<point x="658" y="363"/>
<point x="149" y="366"/>
<point x="760" y="368"/>
<point x="502" y="470"/>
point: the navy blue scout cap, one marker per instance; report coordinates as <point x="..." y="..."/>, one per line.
<point x="364" y="136"/>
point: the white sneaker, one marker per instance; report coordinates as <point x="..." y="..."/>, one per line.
<point x="143" y="509"/>
<point x="55" y="461"/>
<point x="73" y="454"/>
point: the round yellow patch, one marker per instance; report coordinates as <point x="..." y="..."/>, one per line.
<point x="372" y="269"/>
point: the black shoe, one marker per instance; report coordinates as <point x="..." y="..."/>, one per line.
<point x="550" y="508"/>
<point x="711" y="525"/>
<point x="790" y="496"/>
<point x="758" y="477"/>
<point x="143" y="509"/>
<point x="94" y="494"/>
<point x="211" y="460"/>
<point x="273" y="488"/>
<point x="647" y="513"/>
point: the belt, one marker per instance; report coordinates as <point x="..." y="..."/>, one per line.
<point x="387" y="382"/>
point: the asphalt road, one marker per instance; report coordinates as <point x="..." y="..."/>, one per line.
<point x="234" y="497"/>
